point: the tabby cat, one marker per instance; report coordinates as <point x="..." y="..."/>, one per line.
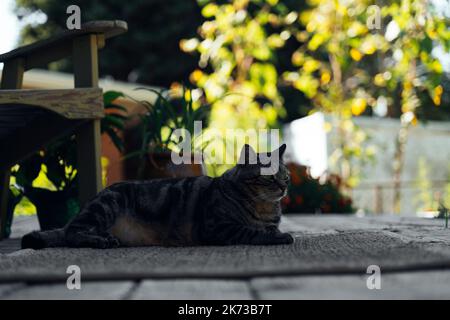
<point x="240" y="207"/>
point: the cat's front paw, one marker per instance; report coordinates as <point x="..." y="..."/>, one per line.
<point x="108" y="242"/>
<point x="283" y="238"/>
<point x="112" y="242"/>
<point x="275" y="238"/>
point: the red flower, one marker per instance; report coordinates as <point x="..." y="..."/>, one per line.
<point x="286" y="201"/>
<point x="299" y="200"/>
<point x="295" y="179"/>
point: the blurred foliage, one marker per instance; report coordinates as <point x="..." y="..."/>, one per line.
<point x="155" y="28"/>
<point x="348" y="70"/>
<point x="236" y="51"/>
<point x="340" y="65"/>
<point x="315" y="195"/>
<point x="345" y="67"/>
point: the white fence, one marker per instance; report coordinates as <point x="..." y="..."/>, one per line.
<point x="430" y="142"/>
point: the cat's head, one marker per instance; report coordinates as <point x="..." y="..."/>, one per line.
<point x="262" y="175"/>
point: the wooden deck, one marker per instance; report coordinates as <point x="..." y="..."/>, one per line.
<point x="416" y="283"/>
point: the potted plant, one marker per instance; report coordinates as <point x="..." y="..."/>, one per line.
<point x="151" y="142"/>
<point x="57" y="203"/>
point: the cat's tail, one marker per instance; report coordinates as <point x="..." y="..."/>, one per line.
<point x="44" y="239"/>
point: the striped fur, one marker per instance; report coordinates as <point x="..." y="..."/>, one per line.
<point x="241" y="207"/>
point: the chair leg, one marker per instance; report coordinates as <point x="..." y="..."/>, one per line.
<point x="85" y="63"/>
<point x="89" y="160"/>
<point x="4" y="192"/>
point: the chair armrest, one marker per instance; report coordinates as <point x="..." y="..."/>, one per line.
<point x="79" y="103"/>
<point x="60" y="46"/>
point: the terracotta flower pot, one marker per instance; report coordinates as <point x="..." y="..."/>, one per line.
<point x="159" y="165"/>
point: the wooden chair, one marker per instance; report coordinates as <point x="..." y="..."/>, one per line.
<point x="30" y="119"/>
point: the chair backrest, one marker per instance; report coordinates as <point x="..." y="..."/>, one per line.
<point x="41" y="53"/>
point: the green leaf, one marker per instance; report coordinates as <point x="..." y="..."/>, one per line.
<point x="117" y="141"/>
<point x="426" y="44"/>
<point x="110" y="96"/>
<point x="112" y="106"/>
<point x="113" y="121"/>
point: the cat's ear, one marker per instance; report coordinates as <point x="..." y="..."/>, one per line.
<point x="247" y="156"/>
<point x="281" y="150"/>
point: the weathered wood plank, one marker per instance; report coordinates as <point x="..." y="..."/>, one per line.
<point x="343" y="253"/>
<point x="330" y="223"/>
<point x="406" y="228"/>
<point x="88" y="136"/>
<point x="12" y="74"/>
<point x="59" y="46"/>
<point x="9" y="245"/>
<point x="21" y="226"/>
<point x="4" y="194"/>
<point x="85" y="61"/>
<point x="410" y="285"/>
<point x="89" y="291"/>
<point x="6" y="289"/>
<point x="41" y="59"/>
<point x="192" y="289"/>
<point x="12" y="78"/>
<point x="84" y="103"/>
